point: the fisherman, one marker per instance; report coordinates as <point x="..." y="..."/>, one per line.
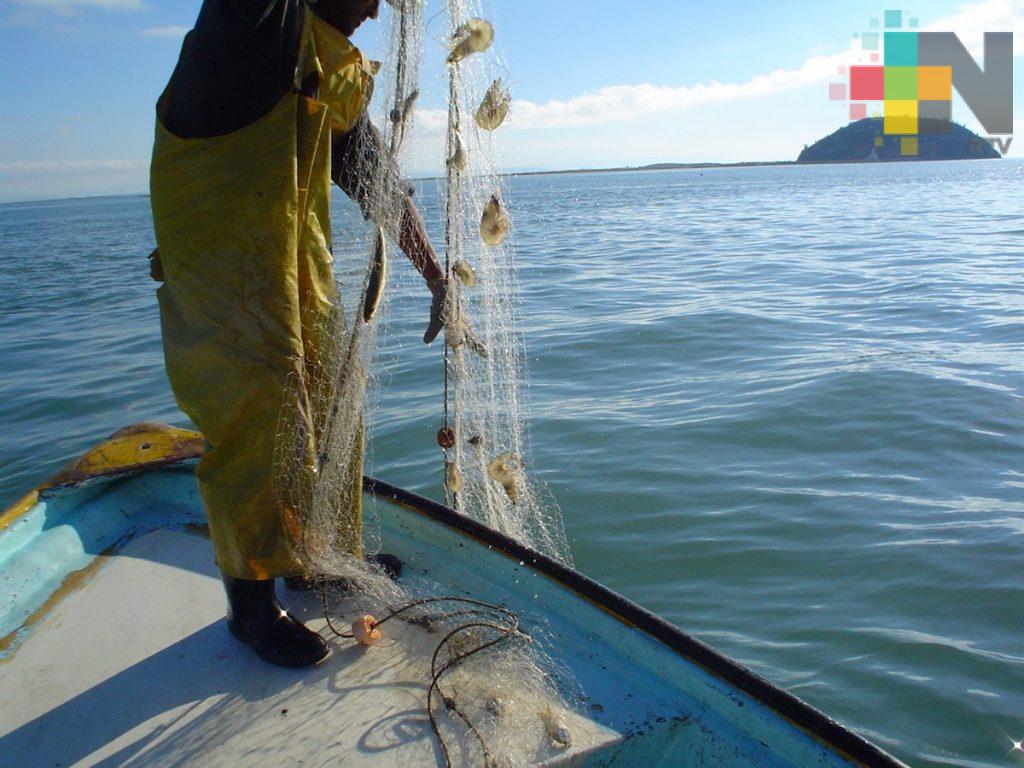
<point x="266" y="106"/>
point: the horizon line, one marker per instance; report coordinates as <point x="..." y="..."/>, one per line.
<point x="649" y="167"/>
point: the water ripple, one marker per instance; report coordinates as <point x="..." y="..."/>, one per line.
<point x="780" y="406"/>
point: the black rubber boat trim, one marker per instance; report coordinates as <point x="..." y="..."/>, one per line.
<point x="797" y="711"/>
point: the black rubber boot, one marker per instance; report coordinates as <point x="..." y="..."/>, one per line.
<point x="390" y="564"/>
<point x="258" y="620"/>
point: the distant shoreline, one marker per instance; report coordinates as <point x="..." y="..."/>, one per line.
<point x="744" y="164"/>
<point x="707" y="166"/>
<point x="565" y="172"/>
<point x="656" y="167"/>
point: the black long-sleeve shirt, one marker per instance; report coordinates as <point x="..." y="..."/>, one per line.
<point x="237" y="63"/>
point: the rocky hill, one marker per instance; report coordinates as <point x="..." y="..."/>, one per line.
<point x="856" y="143"/>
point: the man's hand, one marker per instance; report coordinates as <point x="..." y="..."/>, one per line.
<point x="439" y="289"/>
<point x="413" y="240"/>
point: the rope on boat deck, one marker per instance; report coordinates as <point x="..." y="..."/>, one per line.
<point x="493" y="617"/>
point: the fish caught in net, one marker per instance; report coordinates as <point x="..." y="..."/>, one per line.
<point x="491" y="694"/>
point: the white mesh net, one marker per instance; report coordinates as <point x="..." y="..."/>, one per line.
<point x="487" y="475"/>
<point x="491" y="696"/>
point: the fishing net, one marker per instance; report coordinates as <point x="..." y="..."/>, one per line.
<point x="487" y="472"/>
<point x="491" y="692"/>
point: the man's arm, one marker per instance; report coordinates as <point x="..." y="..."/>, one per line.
<point x="361" y="167"/>
<point x="413" y="240"/>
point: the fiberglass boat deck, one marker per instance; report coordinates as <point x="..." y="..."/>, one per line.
<point x="114" y="649"/>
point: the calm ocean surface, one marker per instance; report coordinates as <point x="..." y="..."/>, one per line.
<point x="781" y="407"/>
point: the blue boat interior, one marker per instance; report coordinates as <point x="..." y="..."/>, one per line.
<point x="645" y="693"/>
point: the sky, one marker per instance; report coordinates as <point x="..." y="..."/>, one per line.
<point x="595" y="83"/>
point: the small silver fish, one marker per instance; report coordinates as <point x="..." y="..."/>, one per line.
<point x="477" y="346"/>
<point x="495" y="706"/>
<point x="452" y="477"/>
<point x="457" y="332"/>
<point x="401" y="114"/>
<point x="463" y="642"/>
<point x="494" y="223"/>
<point x="494" y="108"/>
<point x="557" y="730"/>
<point x="465" y="272"/>
<point x="505" y="469"/>
<point x="376" y="279"/>
<point x="458" y="160"/>
<point x="474" y="36"/>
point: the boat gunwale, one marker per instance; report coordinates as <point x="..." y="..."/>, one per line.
<point x="185" y="448"/>
<point x="795" y="710"/>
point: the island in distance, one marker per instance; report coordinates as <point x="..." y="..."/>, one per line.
<point x="856" y="142"/>
<point x="853" y="143"/>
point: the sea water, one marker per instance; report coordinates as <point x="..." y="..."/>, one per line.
<point x="780" y="406"/>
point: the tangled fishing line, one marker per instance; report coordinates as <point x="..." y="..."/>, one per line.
<point x="460" y="643"/>
<point x="488" y="679"/>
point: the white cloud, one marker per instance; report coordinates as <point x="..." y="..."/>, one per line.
<point x="431" y="120"/>
<point x="63" y="6"/>
<point x="172" y="31"/>
<point x="971" y="22"/>
<point x="622" y="102"/>
<point x="21" y="167"/>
